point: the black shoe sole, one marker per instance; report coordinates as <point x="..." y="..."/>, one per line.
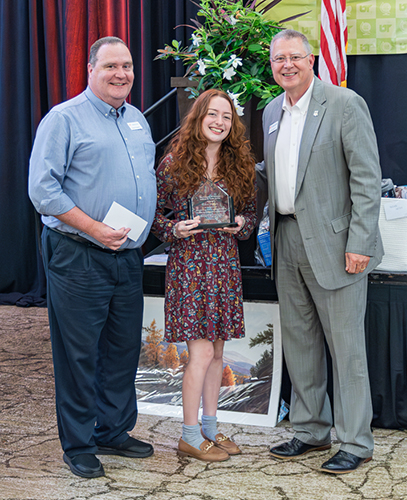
<point x="345" y="471"/>
<point x="97" y="473"/>
<point x="289" y="457"/>
<point x="105" y="450"/>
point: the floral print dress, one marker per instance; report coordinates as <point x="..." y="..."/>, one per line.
<point x="203" y="287"/>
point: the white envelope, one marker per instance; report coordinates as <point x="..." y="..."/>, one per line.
<point x="119" y="216"/>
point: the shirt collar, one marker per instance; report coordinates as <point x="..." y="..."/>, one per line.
<point x="103" y="106"/>
<point x="302" y="104"/>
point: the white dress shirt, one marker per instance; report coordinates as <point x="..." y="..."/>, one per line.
<point x="287" y="151"/>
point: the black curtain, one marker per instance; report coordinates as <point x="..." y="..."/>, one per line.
<point x="382" y="82"/>
<point x="154" y="24"/>
<point x="31" y="30"/>
<point x="21" y="276"/>
<point x="36" y="43"/>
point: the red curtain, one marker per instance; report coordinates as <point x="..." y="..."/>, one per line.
<point x="87" y="21"/>
<point x="61" y="33"/>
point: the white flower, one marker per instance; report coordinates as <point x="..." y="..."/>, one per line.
<point x="228" y="73"/>
<point x="238" y="107"/>
<point x="201" y="67"/>
<point x="236" y="61"/>
<point x="196" y="40"/>
<point x="233" y="21"/>
<point x="233" y="96"/>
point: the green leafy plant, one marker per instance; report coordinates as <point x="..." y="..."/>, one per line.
<point x="230" y="50"/>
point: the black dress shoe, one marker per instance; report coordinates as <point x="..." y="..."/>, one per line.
<point x="296" y="448"/>
<point x="85" y="465"/>
<point x="132" y="448"/>
<point x="343" y="462"/>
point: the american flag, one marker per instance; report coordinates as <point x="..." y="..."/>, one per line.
<point x="332" y="66"/>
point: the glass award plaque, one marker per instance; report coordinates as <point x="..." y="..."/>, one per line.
<point x="213" y="205"/>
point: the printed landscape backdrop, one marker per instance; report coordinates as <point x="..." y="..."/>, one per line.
<point x="251" y="376"/>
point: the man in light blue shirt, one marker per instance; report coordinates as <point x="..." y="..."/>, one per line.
<point x="89" y="152"/>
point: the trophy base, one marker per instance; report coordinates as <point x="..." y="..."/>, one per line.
<point x="217" y="225"/>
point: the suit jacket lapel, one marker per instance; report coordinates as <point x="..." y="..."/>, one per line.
<point x="275" y="118"/>
<point x="315" y="114"/>
<point x="271" y="144"/>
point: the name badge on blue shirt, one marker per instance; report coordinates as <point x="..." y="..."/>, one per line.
<point x="135" y="126"/>
<point x="273" y="127"/>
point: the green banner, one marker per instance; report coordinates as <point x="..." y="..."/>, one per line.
<point x="373" y="27"/>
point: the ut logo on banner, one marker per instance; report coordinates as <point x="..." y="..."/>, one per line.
<point x="366" y="47"/>
<point x="385" y="27"/>
<point x="364" y="8"/>
<point x="403" y="6"/>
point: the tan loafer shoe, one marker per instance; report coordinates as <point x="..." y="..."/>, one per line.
<point x="208" y="452"/>
<point x="225" y="444"/>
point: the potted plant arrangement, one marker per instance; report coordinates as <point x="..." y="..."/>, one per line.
<point x="230" y="50"/>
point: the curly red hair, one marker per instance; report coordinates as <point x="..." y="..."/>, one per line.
<point x="235" y="164"/>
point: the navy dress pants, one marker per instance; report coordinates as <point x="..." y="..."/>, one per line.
<point x="95" y="307"/>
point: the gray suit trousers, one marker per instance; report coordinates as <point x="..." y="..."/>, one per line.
<point x="310" y="313"/>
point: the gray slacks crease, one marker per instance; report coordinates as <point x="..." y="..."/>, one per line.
<point x="309" y="314"/>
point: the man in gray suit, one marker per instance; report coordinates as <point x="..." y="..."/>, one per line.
<point x="322" y="175"/>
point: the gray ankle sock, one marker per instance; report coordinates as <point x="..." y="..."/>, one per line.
<point x="209" y="426"/>
<point x="191" y="434"/>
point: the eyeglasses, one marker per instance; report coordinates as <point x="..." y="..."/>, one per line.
<point x="293" y="59"/>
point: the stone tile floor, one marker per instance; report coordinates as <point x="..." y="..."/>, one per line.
<point x="31" y="466"/>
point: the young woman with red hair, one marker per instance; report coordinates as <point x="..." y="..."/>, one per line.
<point x="203" y="292"/>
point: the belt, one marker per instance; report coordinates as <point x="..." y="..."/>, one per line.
<point x="86" y="242"/>
<point x="291" y="216"/>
